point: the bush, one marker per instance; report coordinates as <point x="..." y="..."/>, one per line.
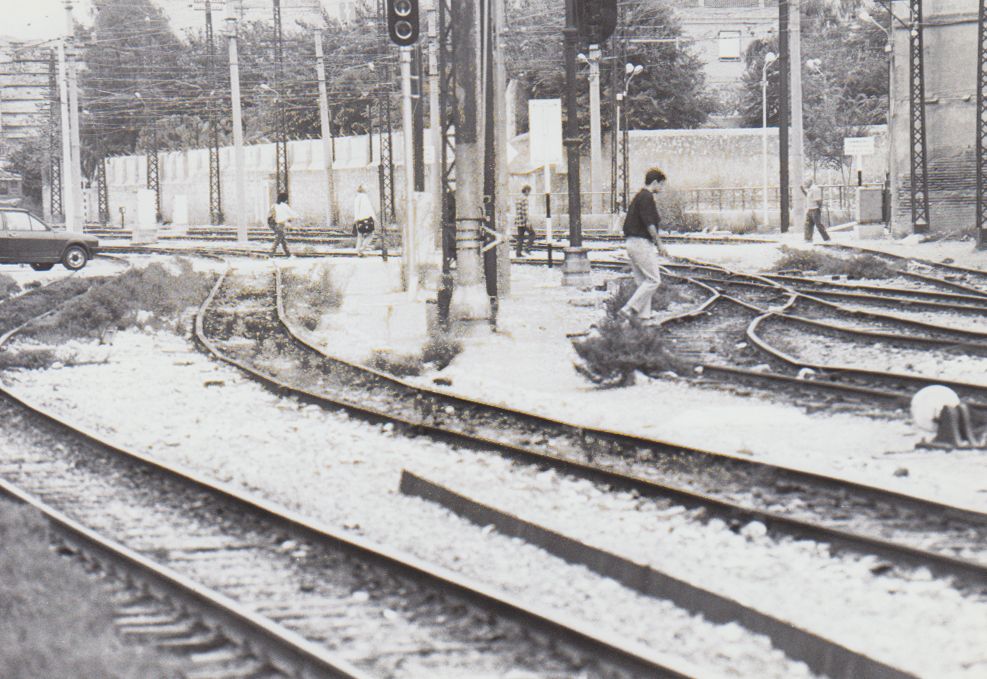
<point x="611" y="355"/>
<point x="8" y="287"/>
<point x="666" y="295"/>
<point x="858" y="266"/>
<point x="307" y="298"/>
<point x="440" y="349"/>
<point x="24" y="358"/>
<point x="151" y="296"/>
<point x="674" y="217"/>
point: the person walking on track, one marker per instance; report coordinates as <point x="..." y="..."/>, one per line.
<point x="644" y="246"/>
<point x="813" y="209"/>
<point x="521" y="223"/>
<point x="364" y="219"/>
<point x="279" y="218"/>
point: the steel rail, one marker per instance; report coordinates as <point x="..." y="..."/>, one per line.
<point x="972" y="573"/>
<point x="608" y="649"/>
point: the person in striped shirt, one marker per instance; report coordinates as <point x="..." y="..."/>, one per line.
<point x="521" y="223"/>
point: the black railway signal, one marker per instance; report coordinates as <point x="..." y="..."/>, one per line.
<point x="402" y="22"/>
<point x="596" y="20"/>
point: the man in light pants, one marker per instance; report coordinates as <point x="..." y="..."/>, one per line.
<point x="644" y="246"/>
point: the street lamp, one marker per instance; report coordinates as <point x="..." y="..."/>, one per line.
<point x="631" y="70"/>
<point x="890" y="178"/>
<point x="769" y="59"/>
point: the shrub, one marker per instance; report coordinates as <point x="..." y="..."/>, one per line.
<point x="118" y="303"/>
<point x="26" y="358"/>
<point x="309" y="297"/>
<point x="671" y="207"/>
<point x="611" y="355"/>
<point x="399" y="365"/>
<point x="858" y="266"/>
<point x="667" y="294"/>
<point x="8" y="287"/>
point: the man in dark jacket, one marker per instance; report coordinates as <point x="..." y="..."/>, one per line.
<point x="644" y="246"/>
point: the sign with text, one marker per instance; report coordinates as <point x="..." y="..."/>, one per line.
<point x="545" y="131"/>
<point x="858" y="146"/>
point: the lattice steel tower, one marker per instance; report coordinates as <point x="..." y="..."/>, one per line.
<point x="982" y="128"/>
<point x="215" y="176"/>
<point x="281" y="141"/>
<point x="54" y="143"/>
<point x="916" y="87"/>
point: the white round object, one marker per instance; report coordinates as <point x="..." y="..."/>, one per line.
<point x="928" y="402"/>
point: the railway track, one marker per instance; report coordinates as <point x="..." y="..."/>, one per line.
<point x="847" y="515"/>
<point x="318" y="603"/>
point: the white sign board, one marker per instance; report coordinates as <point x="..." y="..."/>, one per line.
<point x="858" y="146"/>
<point x="545" y="131"/>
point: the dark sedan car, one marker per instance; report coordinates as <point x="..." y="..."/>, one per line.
<point x="25" y="239"/>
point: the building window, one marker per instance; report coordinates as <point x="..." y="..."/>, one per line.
<point x="729" y="42"/>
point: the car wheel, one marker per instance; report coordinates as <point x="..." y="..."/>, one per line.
<point x="75" y="258"/>
<point x="42" y="267"/>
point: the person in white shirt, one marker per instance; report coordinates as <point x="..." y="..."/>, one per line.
<point x="364" y="219"/>
<point x="813" y="209"/>
<point x="279" y="219"/>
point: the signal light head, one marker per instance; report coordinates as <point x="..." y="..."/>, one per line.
<point x="402" y="22"/>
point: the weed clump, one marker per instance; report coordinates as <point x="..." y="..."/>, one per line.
<point x="8" y="287"/>
<point x="859" y="266"/>
<point x="399" y="365"/>
<point x="671" y="207"/>
<point x="151" y="297"/>
<point x="309" y="297"/>
<point x="440" y="350"/>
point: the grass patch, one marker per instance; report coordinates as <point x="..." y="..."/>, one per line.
<point x="54" y="621"/>
<point x="811" y="260"/>
<point x="8" y="287"/>
<point x="399" y="365"/>
<point x="151" y="297"/>
<point x="27" y="358"/>
<point x="674" y="217"/>
<point x="309" y="297"/>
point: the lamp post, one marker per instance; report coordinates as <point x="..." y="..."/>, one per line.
<point x="769" y="59"/>
<point x="889" y="50"/>
<point x="631" y="70"/>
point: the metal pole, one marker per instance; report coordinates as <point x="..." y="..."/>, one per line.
<point x="469" y="297"/>
<point x="595" y="135"/>
<point x="238" y="159"/>
<point x="215" y="174"/>
<point x="409" y="239"/>
<point x="327" y="155"/>
<point x="280" y="140"/>
<point x="575" y="268"/>
<point x="982" y="128"/>
<point x="435" y="125"/>
<point x="798" y="142"/>
<point x="501" y="141"/>
<point x="56" y="212"/>
<point x="783" y="117"/>
<point x="68" y="195"/>
<point x="764" y="138"/>
<point x="78" y="218"/>
<point x="917" y="136"/>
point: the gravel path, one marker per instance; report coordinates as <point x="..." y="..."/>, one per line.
<point x="346" y="472"/>
<point x="909" y="620"/>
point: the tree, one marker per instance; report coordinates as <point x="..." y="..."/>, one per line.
<point x="844" y="78"/>
<point x="670" y="93"/>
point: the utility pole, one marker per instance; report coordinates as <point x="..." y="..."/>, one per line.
<point x="56" y="212"/>
<point x="784" y="62"/>
<point x="501" y="142"/>
<point x="280" y="141"/>
<point x="435" y="124"/>
<point x="575" y="268"/>
<point x="916" y="73"/>
<point x="595" y="135"/>
<point x="215" y="176"/>
<point x="798" y="145"/>
<point x="327" y="154"/>
<point x="238" y="159"/>
<point x="469" y="298"/>
<point x="409" y="237"/>
<point x="78" y="219"/>
<point x="982" y="128"/>
<point x="68" y="194"/>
